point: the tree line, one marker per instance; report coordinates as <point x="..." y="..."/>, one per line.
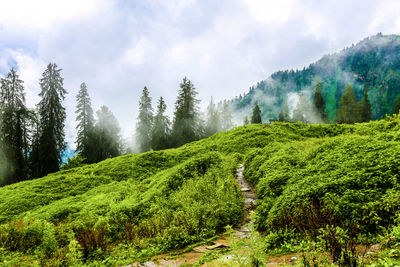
<point x="350" y="110"/>
<point x="32" y="141"/>
<point x="156" y="131"/>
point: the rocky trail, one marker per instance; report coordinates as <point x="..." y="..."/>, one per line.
<point x="243" y="231"/>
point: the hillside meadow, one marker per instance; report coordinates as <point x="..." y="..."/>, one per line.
<point x="308" y="177"/>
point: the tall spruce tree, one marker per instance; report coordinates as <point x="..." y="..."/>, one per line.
<point x="107" y="137"/>
<point x="319" y="102"/>
<point x="213" y="119"/>
<point x="186" y="126"/>
<point x="85" y="119"/>
<point x="160" y="133"/>
<point x="348" y="111"/>
<point x="366" y="110"/>
<point x="144" y="122"/>
<point x="13" y="128"/>
<point x="226" y="117"/>
<point x="256" y="117"/>
<point x="52" y="121"/>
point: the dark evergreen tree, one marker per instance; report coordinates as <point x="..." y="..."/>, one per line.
<point x="226" y="117"/>
<point x="144" y="122"/>
<point x="319" y="102"/>
<point x="13" y="128"/>
<point x="186" y="126"/>
<point x="34" y="157"/>
<point x="396" y="108"/>
<point x="213" y="119"/>
<point x="160" y="134"/>
<point x="85" y="119"/>
<point x="52" y="120"/>
<point x="107" y="137"/>
<point x="348" y="112"/>
<point x="366" y="110"/>
<point x="256" y="117"/>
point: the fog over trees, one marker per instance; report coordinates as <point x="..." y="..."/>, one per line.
<point x="32" y="142"/>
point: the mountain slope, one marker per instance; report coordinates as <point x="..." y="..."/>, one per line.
<point x="374" y="62"/>
<point x="131" y="207"/>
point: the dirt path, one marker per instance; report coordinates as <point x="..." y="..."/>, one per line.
<point x="191" y="257"/>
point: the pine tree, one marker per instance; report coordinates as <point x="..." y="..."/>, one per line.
<point x="319" y="102"/>
<point x="34" y="158"/>
<point x="396" y="108"/>
<point x="256" y="117"/>
<point x="186" y="126"/>
<point x="85" y="119"/>
<point x="107" y="137"/>
<point x="144" y="122"/>
<point x="284" y="113"/>
<point x="226" y="117"/>
<point x="348" y="112"/>
<point x="13" y="128"/>
<point x="52" y="120"/>
<point x="366" y="110"/>
<point x="246" y="121"/>
<point x="160" y="134"/>
<point x="213" y="119"/>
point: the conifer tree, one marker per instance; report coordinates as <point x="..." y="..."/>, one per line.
<point x="396" y="108"/>
<point x="34" y="158"/>
<point x="144" y="122"/>
<point x="213" y="119"/>
<point x="107" y="137"/>
<point x="186" y="126"/>
<point x="160" y="134"/>
<point x="85" y="119"/>
<point x="366" y="110"/>
<point x="13" y="130"/>
<point x="348" y="111"/>
<point x="284" y="113"/>
<point x="256" y="117"/>
<point x="226" y="117"/>
<point x="319" y="102"/>
<point x="246" y="121"/>
<point x="52" y="120"/>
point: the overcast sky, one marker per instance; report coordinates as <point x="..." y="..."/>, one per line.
<point x="222" y="46"/>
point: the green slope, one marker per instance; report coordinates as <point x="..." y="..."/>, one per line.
<point x="374" y="62"/>
<point x="134" y="206"/>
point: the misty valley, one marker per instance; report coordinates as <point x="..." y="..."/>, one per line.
<point x="303" y="169"/>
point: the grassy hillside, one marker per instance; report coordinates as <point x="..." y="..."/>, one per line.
<point x="373" y="62"/>
<point x="134" y="206"/>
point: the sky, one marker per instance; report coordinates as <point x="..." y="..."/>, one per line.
<point x="222" y="46"/>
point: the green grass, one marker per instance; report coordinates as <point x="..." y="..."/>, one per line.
<point x="129" y="208"/>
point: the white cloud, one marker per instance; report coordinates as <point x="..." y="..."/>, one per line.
<point x="223" y="46"/>
<point x="41" y="14"/>
<point x="271" y="11"/>
<point x="30" y="70"/>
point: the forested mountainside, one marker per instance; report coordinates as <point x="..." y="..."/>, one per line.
<point x="373" y="63"/>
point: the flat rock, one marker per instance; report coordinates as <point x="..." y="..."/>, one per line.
<point x="216" y="246"/>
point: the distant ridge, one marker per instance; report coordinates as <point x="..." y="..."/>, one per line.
<point x="373" y="62"/>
